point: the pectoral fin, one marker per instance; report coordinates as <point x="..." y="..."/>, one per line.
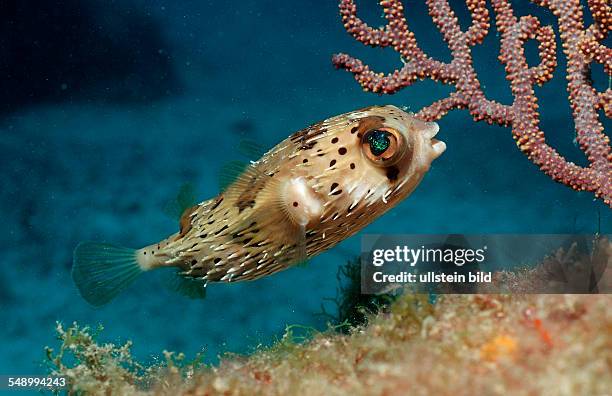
<point x="272" y="209"/>
<point x="230" y="173"/>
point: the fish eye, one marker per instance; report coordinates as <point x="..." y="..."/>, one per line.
<point x="381" y="146"/>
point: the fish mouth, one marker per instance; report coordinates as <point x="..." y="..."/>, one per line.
<point x="438" y="147"/>
<point x="431" y="129"/>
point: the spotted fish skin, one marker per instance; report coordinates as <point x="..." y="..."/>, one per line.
<point x="314" y="189"/>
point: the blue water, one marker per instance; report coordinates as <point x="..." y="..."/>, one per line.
<point x="109" y="107"/>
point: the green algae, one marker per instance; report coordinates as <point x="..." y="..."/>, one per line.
<point x="91" y="367"/>
<point x="352" y="307"/>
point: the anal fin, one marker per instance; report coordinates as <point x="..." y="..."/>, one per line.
<point x="189" y="287"/>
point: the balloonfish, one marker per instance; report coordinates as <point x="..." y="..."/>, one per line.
<point x="314" y="189"/>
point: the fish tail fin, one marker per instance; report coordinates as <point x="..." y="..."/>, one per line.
<point x="101" y="271"/>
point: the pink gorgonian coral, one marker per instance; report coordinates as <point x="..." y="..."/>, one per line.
<point x="582" y="45"/>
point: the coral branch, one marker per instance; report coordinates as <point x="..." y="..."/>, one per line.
<point x="582" y="46"/>
<point x="605" y="101"/>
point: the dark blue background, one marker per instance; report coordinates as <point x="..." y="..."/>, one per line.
<point x="107" y="108"/>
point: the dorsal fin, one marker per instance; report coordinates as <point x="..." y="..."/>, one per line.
<point x="185" y="198"/>
<point x="185" y="220"/>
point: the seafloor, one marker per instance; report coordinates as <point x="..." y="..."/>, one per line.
<point x="108" y="108"/>
<point x="462" y="345"/>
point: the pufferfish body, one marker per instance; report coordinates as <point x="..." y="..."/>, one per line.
<point x="314" y="189"/>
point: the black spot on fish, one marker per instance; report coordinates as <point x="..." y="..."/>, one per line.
<point x="305" y="160"/>
<point x="354" y="129"/>
<point x="242" y="205"/>
<point x="225" y="227"/>
<point x="332" y="163"/>
<point x="308" y="146"/>
<point x="311" y="132"/>
<point x="217" y="203"/>
<point x="203" y="236"/>
<point x="342" y="150"/>
<point x="352" y="166"/>
<point x="392" y="173"/>
<point x="334" y="140"/>
<point x="337" y="192"/>
<point x="299" y="135"/>
<point x="217" y="260"/>
<point x="194" y="262"/>
<point x="333" y="186"/>
<point x="295" y="204"/>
